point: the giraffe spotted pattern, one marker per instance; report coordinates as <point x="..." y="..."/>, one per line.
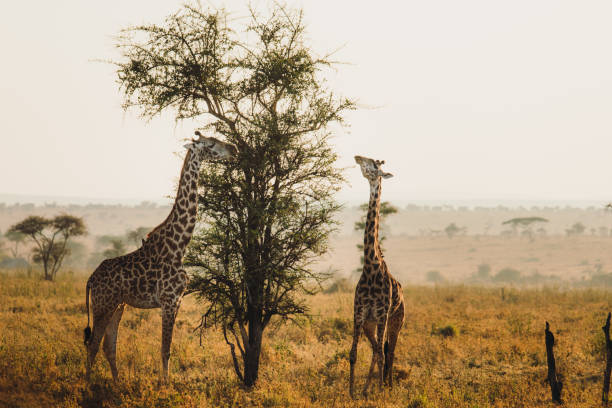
<point x="379" y="301"/>
<point x="152" y="276"/>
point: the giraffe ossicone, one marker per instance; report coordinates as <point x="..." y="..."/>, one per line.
<point x="379" y="301"/>
<point x="152" y="276"/>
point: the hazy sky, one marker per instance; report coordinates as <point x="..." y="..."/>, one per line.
<point x="501" y="100"/>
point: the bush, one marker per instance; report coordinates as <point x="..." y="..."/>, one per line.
<point x="445" y="331"/>
<point x="14" y="263"/>
<point x="484" y="271"/>
<point x="507" y="275"/>
<point x="420" y="401"/>
<point x="341" y="285"/>
<point x="434" y="277"/>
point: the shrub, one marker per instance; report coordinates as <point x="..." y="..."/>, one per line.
<point x="340" y="285"/>
<point x="434" y="277"/>
<point x="507" y="275"/>
<point x="445" y="331"/>
<point x="419" y="401"/>
<point x="484" y="271"/>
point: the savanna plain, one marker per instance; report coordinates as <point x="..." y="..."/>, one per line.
<point x="476" y="304"/>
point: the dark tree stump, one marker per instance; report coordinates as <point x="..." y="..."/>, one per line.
<point x="555" y="385"/>
<point x="606" y="382"/>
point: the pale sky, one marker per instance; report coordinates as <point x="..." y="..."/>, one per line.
<point x="465" y="100"/>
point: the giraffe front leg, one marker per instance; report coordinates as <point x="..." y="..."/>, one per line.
<point x="381" y="334"/>
<point x="168" y="316"/>
<point x="353" y="356"/>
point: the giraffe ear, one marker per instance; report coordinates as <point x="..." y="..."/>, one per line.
<point x="387" y="175"/>
<point x="188" y="146"/>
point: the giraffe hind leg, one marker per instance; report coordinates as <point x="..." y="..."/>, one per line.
<point x="381" y="334"/>
<point x="110" y="340"/>
<point x="101" y="318"/>
<point x="395" y="325"/>
<point x="369" y="330"/>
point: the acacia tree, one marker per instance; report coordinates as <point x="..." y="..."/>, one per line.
<point x="16" y="238"/>
<point x="136" y="236"/>
<point x="526" y="223"/>
<point x="50" y="237"/>
<point x="267" y="215"/>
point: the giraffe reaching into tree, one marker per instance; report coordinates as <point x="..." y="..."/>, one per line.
<point x="152" y="276"/>
<point x="379" y="301"/>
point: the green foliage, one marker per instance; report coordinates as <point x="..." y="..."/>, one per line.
<point x="268" y="214"/>
<point x="50" y="237"/>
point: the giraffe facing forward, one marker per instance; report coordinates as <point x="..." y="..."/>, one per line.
<point x="152" y="276"/>
<point x="379" y="301"/>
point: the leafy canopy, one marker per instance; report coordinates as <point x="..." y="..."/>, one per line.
<point x="50" y="236"/>
<point x="524" y="221"/>
<point x="266" y="216"/>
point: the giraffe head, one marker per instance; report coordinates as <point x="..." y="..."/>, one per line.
<point x="209" y="148"/>
<point x="371" y="169"/>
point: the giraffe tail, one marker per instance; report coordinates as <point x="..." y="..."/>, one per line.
<point x="386" y="364"/>
<point x="88" y="328"/>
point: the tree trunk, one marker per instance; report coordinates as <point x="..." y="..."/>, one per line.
<point x="46" y="271"/>
<point x="606" y="383"/>
<point x="555" y="385"/>
<point x="252" y="353"/>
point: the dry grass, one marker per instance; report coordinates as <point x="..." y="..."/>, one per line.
<point x="496" y="357"/>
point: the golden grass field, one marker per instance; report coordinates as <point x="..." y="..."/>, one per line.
<point x="495" y="359"/>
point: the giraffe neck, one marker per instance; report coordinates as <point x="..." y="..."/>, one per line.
<point x="175" y="232"/>
<point x="372" y="253"/>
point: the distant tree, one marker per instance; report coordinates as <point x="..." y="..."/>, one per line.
<point x="107" y="246"/>
<point x="386" y="209"/>
<point x="2" y="250"/>
<point x="507" y="275"/>
<point x="117" y="249"/>
<point x="525" y="224"/>
<point x="266" y="216"/>
<point x="77" y="253"/>
<point x="484" y="271"/>
<point x="50" y="237"/>
<point x="453" y="230"/>
<point x="137" y="235"/>
<point x="434" y="277"/>
<point x="576" y="229"/>
<point x="16" y="238"/>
